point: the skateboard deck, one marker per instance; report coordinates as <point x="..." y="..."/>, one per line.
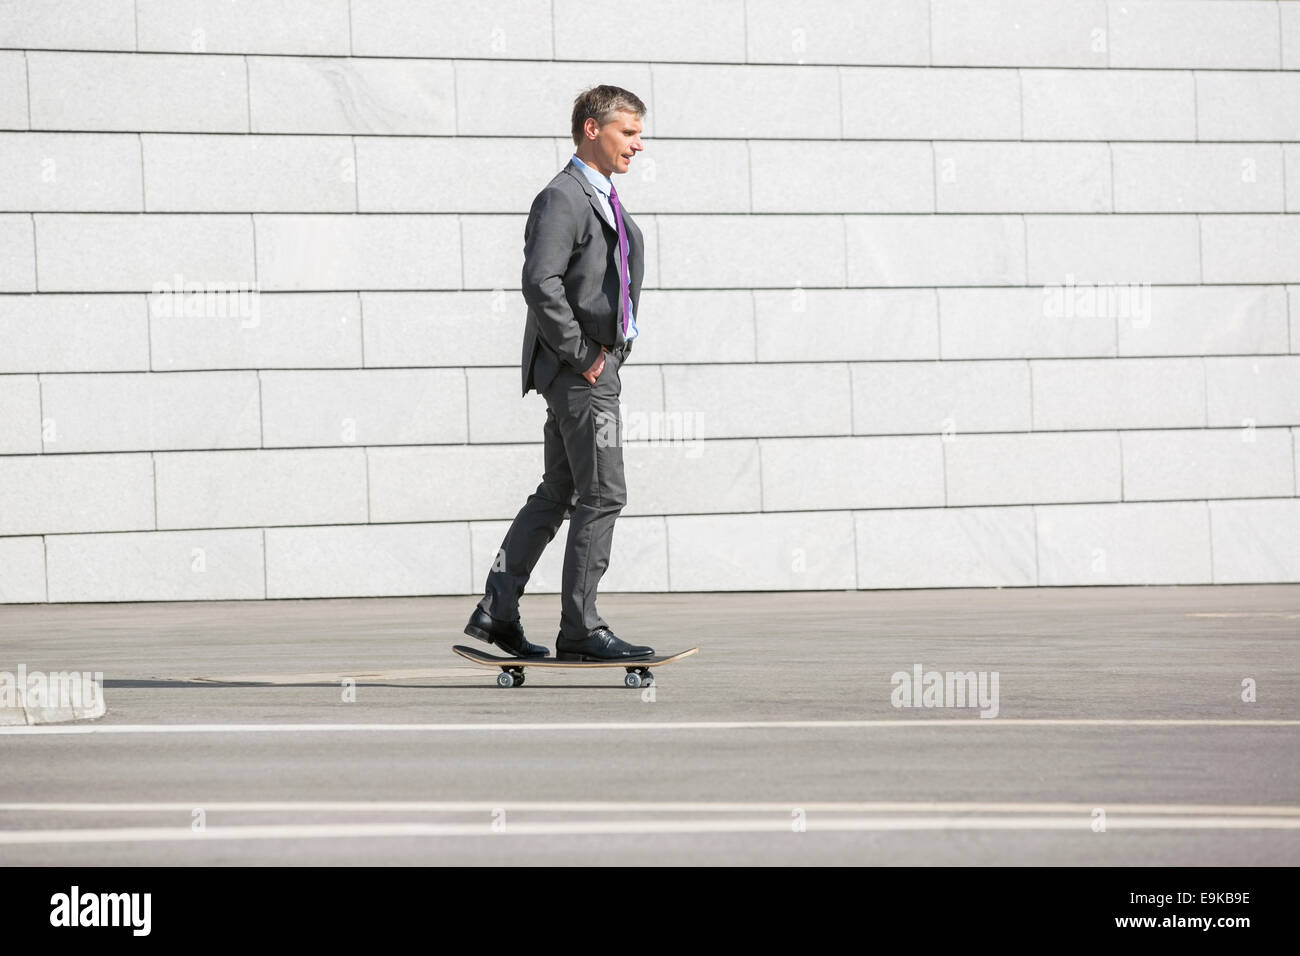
<point x="512" y="668"/>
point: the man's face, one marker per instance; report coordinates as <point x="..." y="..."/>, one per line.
<point x="616" y="142"/>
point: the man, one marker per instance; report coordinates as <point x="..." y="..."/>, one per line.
<point x="584" y="259"/>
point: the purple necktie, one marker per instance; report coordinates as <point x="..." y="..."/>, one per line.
<point x="622" y="255"/>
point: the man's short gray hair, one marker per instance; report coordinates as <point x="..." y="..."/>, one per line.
<point x="602" y="103"/>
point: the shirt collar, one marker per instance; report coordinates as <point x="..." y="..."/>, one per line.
<point x="594" y="176"/>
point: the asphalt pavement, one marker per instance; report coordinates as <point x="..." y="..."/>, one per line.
<point x="346" y="731"/>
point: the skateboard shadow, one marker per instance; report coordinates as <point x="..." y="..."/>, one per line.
<point x="161" y="683"/>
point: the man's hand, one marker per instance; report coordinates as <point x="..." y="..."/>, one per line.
<point x="597" y="367"/>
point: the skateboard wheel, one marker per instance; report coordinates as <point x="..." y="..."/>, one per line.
<point x="519" y="679"/>
<point x="633" y="679"/>
<point x="647" y="679"/>
<point x="505" y="679"/>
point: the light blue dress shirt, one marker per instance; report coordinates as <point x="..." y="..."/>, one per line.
<point x="603" y="185"/>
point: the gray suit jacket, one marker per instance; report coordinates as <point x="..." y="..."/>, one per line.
<point x="571" y="279"/>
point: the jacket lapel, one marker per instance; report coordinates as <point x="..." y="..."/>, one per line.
<point x="590" y="190"/>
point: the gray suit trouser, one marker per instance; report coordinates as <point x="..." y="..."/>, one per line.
<point x="583" y="481"/>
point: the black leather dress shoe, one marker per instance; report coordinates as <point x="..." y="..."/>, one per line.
<point x="599" y="645"/>
<point x="507" y="635"/>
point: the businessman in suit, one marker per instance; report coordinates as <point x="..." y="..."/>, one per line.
<point x="584" y="258"/>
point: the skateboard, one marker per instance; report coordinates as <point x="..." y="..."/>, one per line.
<point x="512" y="668"/>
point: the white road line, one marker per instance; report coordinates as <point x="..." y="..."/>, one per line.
<point x="614" y="806"/>
<point x="783" y="824"/>
<point x="270" y="728"/>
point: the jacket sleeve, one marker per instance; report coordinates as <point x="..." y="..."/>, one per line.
<point x="550" y="237"/>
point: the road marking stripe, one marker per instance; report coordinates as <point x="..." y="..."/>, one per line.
<point x="270" y="728"/>
<point x="310" y="831"/>
<point x="613" y="806"/>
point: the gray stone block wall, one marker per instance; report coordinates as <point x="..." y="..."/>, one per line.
<point x="938" y="294"/>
